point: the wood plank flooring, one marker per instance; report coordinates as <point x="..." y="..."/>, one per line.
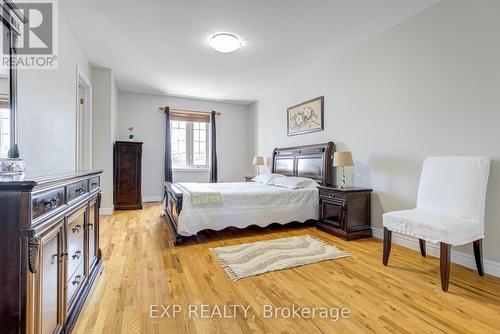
<point x="142" y="268"/>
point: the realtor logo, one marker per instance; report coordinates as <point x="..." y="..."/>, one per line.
<point x="37" y="34"/>
<point x="36" y="45"/>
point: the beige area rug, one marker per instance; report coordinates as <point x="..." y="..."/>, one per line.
<point x="260" y="257"/>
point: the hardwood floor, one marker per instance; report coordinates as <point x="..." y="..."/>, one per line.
<point x="141" y="268"/>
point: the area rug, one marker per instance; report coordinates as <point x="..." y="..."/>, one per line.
<point x="260" y="257"/>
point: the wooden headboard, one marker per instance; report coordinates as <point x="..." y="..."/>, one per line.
<point x="312" y="161"/>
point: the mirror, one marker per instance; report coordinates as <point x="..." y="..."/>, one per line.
<point x="11" y="24"/>
<point x="7" y="127"/>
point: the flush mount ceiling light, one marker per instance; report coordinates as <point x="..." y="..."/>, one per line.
<point x="225" y="42"/>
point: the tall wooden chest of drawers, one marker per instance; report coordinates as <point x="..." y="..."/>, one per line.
<point x="127" y="175"/>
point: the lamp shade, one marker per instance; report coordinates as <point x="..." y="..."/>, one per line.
<point x="258" y="160"/>
<point x="341" y="159"/>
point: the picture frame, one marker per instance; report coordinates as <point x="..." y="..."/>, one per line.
<point x="306" y="117"/>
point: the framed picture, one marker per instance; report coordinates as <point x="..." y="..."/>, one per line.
<point x="305" y="117"/>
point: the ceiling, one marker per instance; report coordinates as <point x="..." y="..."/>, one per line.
<point x="161" y="46"/>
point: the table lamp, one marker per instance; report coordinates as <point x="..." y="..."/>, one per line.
<point x="258" y="161"/>
<point x="342" y="159"/>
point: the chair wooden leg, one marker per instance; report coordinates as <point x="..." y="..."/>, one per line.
<point x="422" y="247"/>
<point x="478" y="255"/>
<point x="445" y="265"/>
<point x="387" y="245"/>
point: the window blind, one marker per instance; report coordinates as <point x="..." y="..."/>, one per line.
<point x="187" y="116"/>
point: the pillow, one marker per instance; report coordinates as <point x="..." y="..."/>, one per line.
<point x="266" y="178"/>
<point x="294" y="182"/>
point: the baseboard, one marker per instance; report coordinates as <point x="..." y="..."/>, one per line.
<point x="106" y="211"/>
<point x="464" y="259"/>
<point x="146" y="199"/>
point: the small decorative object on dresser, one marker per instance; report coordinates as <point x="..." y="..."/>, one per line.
<point x="127" y="175"/>
<point x="345" y="212"/>
<point x="131" y="133"/>
<point x="249" y="178"/>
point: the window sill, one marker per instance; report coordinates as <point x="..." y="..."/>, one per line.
<point x="190" y="169"/>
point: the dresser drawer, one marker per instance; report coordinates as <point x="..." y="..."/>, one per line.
<point x="75" y="253"/>
<point x="94" y="183"/>
<point x="75" y="190"/>
<point x="48" y="201"/>
<point x="73" y="285"/>
<point x="331" y="194"/>
<point x="76" y="223"/>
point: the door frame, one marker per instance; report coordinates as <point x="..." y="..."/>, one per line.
<point x="83" y="81"/>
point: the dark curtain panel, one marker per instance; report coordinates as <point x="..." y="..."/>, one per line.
<point x="168" y="147"/>
<point x="213" y="151"/>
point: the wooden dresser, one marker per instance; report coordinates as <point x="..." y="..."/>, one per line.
<point x="49" y="241"/>
<point x="345" y="213"/>
<point x="127" y="175"/>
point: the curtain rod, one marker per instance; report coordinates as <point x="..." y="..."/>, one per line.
<point x="190" y="111"/>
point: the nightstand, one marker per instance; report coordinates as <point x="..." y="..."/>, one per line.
<point x="249" y="178"/>
<point x="345" y="213"/>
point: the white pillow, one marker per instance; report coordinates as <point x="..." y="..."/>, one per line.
<point x="266" y="178"/>
<point x="294" y="182"/>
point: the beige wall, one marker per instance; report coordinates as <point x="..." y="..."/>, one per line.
<point x="430" y="86"/>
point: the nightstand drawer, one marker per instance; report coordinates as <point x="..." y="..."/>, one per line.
<point x="331" y="194"/>
<point x="332" y="213"/>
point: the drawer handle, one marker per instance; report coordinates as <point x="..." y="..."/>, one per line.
<point x="80" y="190"/>
<point x="51" y="204"/>
<point x="58" y="256"/>
<point x="77" y="228"/>
<point x="77" y="280"/>
<point x="77" y="255"/>
<point x="95" y="184"/>
<point x="331" y="195"/>
<point x="90" y="225"/>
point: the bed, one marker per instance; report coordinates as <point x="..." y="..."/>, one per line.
<point x="193" y="207"/>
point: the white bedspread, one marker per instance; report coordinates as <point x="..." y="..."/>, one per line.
<point x="243" y="204"/>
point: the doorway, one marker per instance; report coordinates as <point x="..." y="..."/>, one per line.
<point x="83" y="151"/>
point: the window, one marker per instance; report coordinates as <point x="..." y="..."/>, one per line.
<point x="189" y="144"/>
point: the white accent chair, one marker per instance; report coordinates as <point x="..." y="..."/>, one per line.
<point x="450" y="209"/>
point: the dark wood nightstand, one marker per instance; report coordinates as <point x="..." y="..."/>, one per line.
<point x="345" y="213"/>
<point x="249" y="178"/>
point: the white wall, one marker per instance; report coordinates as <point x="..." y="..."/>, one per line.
<point x="47" y="107"/>
<point x="114" y="110"/>
<point x="429" y="86"/>
<point x="234" y="138"/>
<point x="104" y="119"/>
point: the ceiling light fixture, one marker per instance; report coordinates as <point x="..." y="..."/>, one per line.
<point x="225" y="42"/>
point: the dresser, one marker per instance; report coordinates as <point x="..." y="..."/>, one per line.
<point x="127" y="175"/>
<point x="345" y="212"/>
<point x="49" y="241"/>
